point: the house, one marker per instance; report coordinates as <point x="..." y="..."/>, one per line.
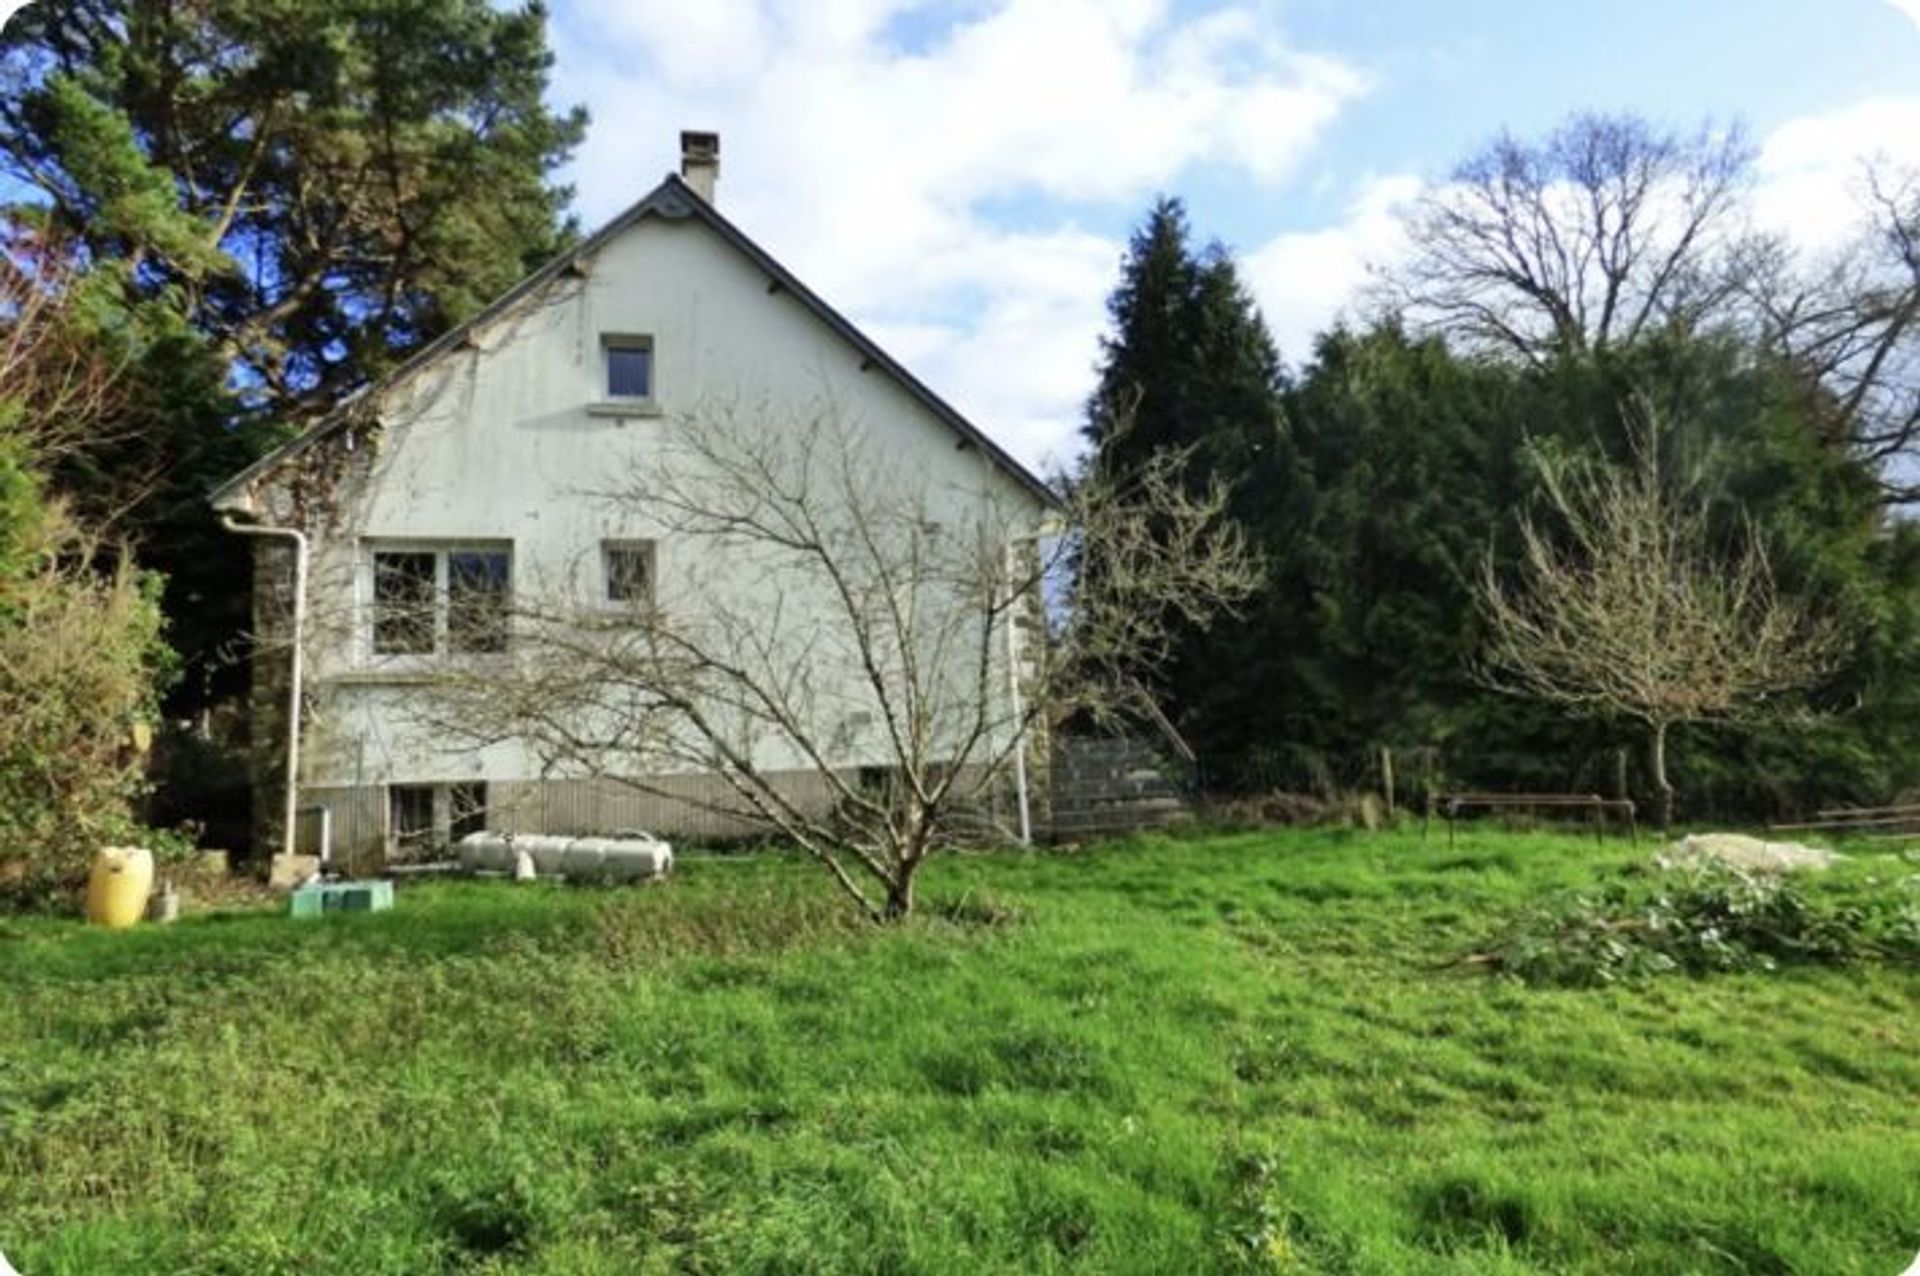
<point x="464" y="475"/>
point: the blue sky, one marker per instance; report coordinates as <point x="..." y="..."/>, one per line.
<point x="1445" y="76"/>
<point x="960" y="177"/>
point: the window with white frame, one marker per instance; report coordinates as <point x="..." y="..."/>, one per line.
<point x="628" y="571"/>
<point x="629" y="368"/>
<point x="432" y="599"/>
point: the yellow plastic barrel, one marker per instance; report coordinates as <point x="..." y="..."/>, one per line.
<point x="118" y="886"/>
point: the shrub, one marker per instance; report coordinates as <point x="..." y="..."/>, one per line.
<point x="80" y="662"/>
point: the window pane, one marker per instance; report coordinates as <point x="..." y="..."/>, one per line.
<point x="477" y="599"/>
<point x="629" y="574"/>
<point x="467" y="806"/>
<point x="629" y="372"/>
<point x="410" y="819"/>
<point x="403" y="602"/>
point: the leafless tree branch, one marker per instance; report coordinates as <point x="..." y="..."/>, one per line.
<point x="854" y="619"/>
<point x="1590" y="238"/>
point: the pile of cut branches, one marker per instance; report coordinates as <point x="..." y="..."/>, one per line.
<point x="1704" y="921"/>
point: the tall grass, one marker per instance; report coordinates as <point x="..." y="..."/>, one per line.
<point x="1233" y="1054"/>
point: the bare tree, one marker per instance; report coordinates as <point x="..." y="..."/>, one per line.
<point x="1597" y="234"/>
<point x="1608" y="229"/>
<point x="880" y="634"/>
<point x="66" y="394"/>
<point x="1851" y="326"/>
<point x="1627" y="605"/>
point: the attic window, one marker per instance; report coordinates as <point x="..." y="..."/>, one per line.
<point x="629" y="367"/>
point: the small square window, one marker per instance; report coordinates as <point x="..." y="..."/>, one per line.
<point x="629" y="569"/>
<point x="629" y="367"/>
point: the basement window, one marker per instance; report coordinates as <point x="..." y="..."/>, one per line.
<point x="629" y="368"/>
<point x="466" y="809"/>
<point x="410" y="820"/>
<point x="454" y="598"/>
<point x="423" y="820"/>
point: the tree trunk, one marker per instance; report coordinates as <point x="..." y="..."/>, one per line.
<point x="900" y="892"/>
<point x="1662" y="789"/>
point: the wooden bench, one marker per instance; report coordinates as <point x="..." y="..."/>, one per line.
<point x="1451" y="805"/>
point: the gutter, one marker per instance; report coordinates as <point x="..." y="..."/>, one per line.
<point x="1020" y="746"/>
<point x="1021" y="795"/>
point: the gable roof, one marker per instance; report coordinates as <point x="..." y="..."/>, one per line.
<point x="673" y="200"/>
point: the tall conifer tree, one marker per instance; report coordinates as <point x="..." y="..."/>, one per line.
<point x="319" y="187"/>
<point x="1189" y="364"/>
<point x="279" y="201"/>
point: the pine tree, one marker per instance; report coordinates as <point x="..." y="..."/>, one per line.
<point x="1134" y="409"/>
<point x="1189" y="364"/>
<point x="320" y="187"/>
<point x="279" y="201"/>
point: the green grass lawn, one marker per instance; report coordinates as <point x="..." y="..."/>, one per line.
<point x="1243" y="1053"/>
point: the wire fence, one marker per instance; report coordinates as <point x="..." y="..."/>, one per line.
<point x="1406" y="777"/>
<point x="1409" y="774"/>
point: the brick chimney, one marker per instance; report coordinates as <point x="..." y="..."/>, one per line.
<point x="700" y="162"/>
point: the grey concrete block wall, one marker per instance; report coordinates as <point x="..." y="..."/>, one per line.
<point x="1110" y="784"/>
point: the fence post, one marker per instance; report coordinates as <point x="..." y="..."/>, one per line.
<point x="1386" y="777"/>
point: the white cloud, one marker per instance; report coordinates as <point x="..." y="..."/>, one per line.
<point x="1909" y="7"/>
<point x="1812" y="168"/>
<point x="1810" y="179"/>
<point x="1304" y="280"/>
<point x="874" y="172"/>
<point x="929" y="185"/>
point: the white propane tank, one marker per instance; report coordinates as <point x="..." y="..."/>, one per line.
<point x="609" y="859"/>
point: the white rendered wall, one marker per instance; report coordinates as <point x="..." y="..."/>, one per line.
<point x="497" y="441"/>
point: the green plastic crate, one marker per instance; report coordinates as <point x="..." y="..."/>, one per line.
<point x="343" y="897"/>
